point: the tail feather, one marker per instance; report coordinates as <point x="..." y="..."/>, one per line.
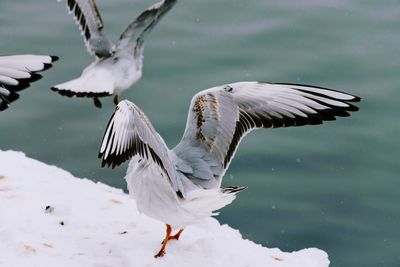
<point x="85" y="86"/>
<point x="205" y="203"/>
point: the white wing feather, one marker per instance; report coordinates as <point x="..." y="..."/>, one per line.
<point x="17" y="72"/>
<point x="133" y="36"/>
<point x="220" y="117"/>
<point x="130" y="133"/>
<point x="92" y="83"/>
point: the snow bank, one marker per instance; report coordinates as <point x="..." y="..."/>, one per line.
<point x="92" y="224"/>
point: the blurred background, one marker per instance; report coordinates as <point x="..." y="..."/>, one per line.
<point x="335" y="186"/>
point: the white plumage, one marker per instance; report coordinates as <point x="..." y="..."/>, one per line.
<point x="17" y="72"/>
<point x="183" y="185"/>
<point x="118" y="66"/>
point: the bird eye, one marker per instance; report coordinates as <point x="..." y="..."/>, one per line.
<point x="228" y="89"/>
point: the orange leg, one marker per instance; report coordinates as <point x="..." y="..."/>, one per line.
<point x="166" y="239"/>
<point x="164" y="243"/>
<point x="176" y="236"/>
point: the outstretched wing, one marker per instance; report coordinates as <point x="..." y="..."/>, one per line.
<point x="221" y="116"/>
<point x="130" y="133"/>
<point x="88" y="18"/>
<point x="17" y="72"/>
<point x="132" y="38"/>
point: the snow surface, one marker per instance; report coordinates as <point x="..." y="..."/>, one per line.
<point x="92" y="224"/>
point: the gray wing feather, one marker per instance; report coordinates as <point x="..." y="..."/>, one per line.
<point x="130" y="133"/>
<point x="88" y="18"/>
<point x="132" y="38"/>
<point x="220" y="117"/>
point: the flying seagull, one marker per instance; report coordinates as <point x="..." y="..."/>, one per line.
<point x="17" y="72"/>
<point x="118" y="66"/>
<point x="183" y="186"/>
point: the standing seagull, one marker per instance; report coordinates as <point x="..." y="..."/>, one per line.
<point x="117" y="66"/>
<point x="183" y="186"/>
<point x="17" y="72"/>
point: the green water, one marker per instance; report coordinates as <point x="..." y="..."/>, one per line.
<point x="335" y="186"/>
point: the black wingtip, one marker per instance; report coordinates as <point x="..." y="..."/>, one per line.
<point x="69" y="93"/>
<point x="25" y="83"/>
<point x="3" y="106"/>
<point x="54" y="58"/>
<point x="233" y="189"/>
<point x="35" y="77"/>
<point x="11" y="97"/>
<point x="353" y="108"/>
<point x="49" y="65"/>
<point x="5" y="101"/>
<point x="356" y="99"/>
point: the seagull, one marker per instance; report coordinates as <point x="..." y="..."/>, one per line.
<point x="17" y="72"/>
<point x="117" y="66"/>
<point x="183" y="186"/>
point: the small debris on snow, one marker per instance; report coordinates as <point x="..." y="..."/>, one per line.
<point x="28" y="249"/>
<point x="115" y="201"/>
<point x="49" y="209"/>
<point x="277" y="259"/>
